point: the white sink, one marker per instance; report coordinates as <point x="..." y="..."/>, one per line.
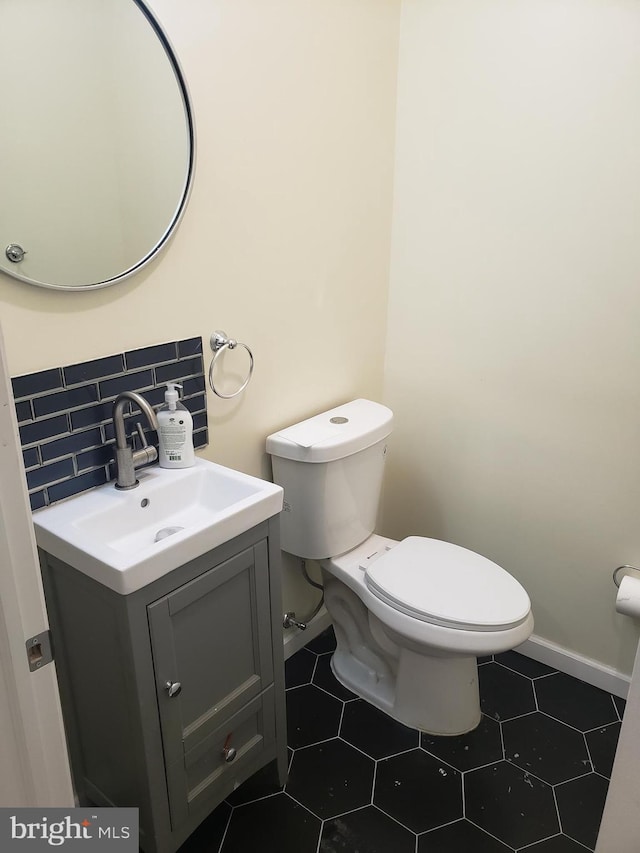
<point x="127" y="539"/>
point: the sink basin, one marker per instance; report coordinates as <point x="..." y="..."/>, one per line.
<point x="127" y="539"/>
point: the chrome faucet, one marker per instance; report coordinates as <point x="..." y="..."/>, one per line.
<point x="127" y="459"/>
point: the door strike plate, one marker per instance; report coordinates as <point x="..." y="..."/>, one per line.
<point x="39" y="651"/>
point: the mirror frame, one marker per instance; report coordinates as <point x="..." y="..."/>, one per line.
<point x="181" y="207"/>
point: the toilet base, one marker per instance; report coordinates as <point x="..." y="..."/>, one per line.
<point x="437" y="695"/>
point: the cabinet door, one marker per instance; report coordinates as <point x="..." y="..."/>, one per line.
<point x="213" y="637"/>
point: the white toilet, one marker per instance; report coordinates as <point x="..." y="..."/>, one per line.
<point x="410" y="617"/>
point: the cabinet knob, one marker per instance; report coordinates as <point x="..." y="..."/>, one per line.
<point x="229" y="753"/>
<point x="173" y="688"/>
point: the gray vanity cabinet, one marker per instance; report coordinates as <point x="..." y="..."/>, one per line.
<point x="172" y="695"/>
<point x="215" y="625"/>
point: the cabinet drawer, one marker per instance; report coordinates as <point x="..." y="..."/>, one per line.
<point x="203" y="773"/>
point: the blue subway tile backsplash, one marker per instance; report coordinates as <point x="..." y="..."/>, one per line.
<point x="37" y="499"/>
<point x="171" y="373"/>
<point x="150" y="356"/>
<point x="70" y="444"/>
<point x="24" y="412"/>
<point x="34" y="383"/>
<point x="64" y="414"/>
<point x="43" y="474"/>
<point x="200" y="421"/>
<point x="41" y="430"/>
<point x="90" y="416"/>
<point x="31" y="457"/>
<point x="62" y="401"/>
<point x="81" y="483"/>
<point x="74" y="374"/>
<point x="195" y="404"/>
<point x="192" y="346"/>
<point x="193" y="386"/>
<point x="94" y="458"/>
<point x="135" y="381"/>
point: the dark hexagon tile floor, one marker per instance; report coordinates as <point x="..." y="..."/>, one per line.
<point x="580" y="705"/>
<point x="602" y="745"/>
<point x="481" y="746"/>
<point x="374" y="732"/>
<point x="331" y="778"/>
<point x="366" y="829"/>
<point x="271" y="825"/>
<point x="580" y="802"/>
<point x="458" y="837"/>
<point x="511" y="804"/>
<point x="312" y="715"/>
<point x="418" y="790"/>
<point x="532" y="777"/>
<point x="323" y="677"/>
<point x="546" y="747"/>
<point x="299" y="668"/>
<point x="504" y="693"/>
<point x="620" y="704"/>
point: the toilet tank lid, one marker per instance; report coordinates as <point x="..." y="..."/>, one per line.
<point x="334" y="434"/>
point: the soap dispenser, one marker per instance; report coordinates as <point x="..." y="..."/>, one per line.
<point x="175" y="432"/>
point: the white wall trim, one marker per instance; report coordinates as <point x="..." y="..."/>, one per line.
<point x="537" y="648"/>
<point x="586" y="669"/>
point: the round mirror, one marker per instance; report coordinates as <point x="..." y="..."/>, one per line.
<point x="97" y="143"/>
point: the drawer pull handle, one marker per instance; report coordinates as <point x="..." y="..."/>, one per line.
<point x="173" y="688"/>
<point x="228" y="752"/>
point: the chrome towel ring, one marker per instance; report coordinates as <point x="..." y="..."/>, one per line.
<point x="219" y="343"/>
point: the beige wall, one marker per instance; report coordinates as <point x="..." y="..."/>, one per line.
<point x="285" y="243"/>
<point x="513" y="356"/>
<point x="512" y="349"/>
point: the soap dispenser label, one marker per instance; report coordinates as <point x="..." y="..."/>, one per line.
<point x="174" y="433"/>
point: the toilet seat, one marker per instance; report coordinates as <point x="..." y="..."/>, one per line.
<point x="447" y="585"/>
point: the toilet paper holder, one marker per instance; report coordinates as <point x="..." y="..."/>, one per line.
<point x="627" y="570"/>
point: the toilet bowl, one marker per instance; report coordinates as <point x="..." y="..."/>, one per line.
<point x="413" y="654"/>
<point x="410" y="617"/>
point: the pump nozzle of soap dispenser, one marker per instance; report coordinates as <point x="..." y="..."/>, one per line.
<point x="171" y="395"/>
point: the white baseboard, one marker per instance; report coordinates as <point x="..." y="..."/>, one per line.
<point x="544" y="651"/>
<point x="586" y="669"/>
<point x="295" y="639"/>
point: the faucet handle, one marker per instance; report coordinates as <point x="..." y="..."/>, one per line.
<point x="143" y="438"/>
<point x="147" y="452"/>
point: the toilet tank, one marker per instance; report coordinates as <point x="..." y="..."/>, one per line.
<point x="330" y="467"/>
